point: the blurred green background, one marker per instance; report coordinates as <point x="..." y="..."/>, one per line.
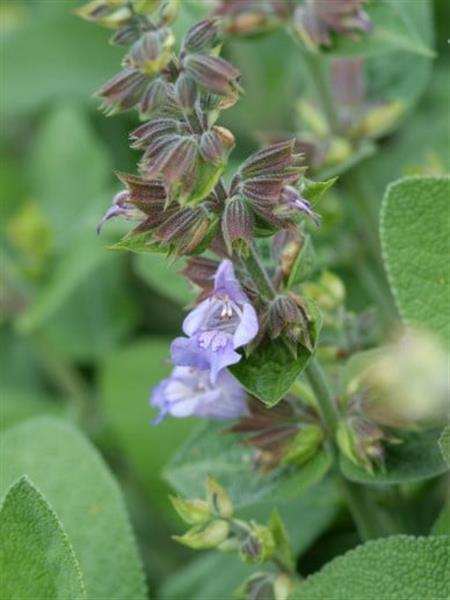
<point x="84" y="332"/>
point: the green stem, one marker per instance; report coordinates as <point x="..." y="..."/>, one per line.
<point x="359" y="501"/>
<point x="259" y="274"/>
<point x="322" y="391"/>
<point x="363" y="509"/>
<point x="315" y="66"/>
<point x="65" y="378"/>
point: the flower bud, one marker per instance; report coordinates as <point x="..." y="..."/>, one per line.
<point x="201" y="36"/>
<point x="168" y="11"/>
<point x="237" y="224"/>
<point x="285" y="318"/>
<point x="158" y="98"/>
<point x="186" y="91"/>
<point x="215" y="145"/>
<point x="123" y="91"/>
<point x="258" y="586"/>
<point x="305" y="445"/>
<point x="191" y="511"/>
<point x="203" y="536"/>
<point x="258" y="545"/>
<point x="328" y="291"/>
<point x="380" y="119"/>
<point x="109" y="13"/>
<point x="152" y="52"/>
<point x="212" y="73"/>
<point x="219" y="501"/>
<point x="282" y="587"/>
<point x="185" y="229"/>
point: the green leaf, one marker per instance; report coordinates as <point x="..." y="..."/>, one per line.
<point x="69" y="170"/>
<point x="397" y="568"/>
<point x="396" y="26"/>
<point x="444" y="444"/>
<point x="74" y="266"/>
<point x="126" y="379"/>
<point x="304" y="264"/>
<point x="37" y="560"/>
<point x="212" y="450"/>
<point x="442" y="523"/>
<point x="305" y="517"/>
<point x="415" y="235"/>
<point x="164" y="276"/>
<point x="418" y="457"/>
<point x="270" y="370"/>
<point x="87" y="500"/>
<point x="96" y="315"/>
<point x="20" y="404"/>
<point x="38" y="58"/>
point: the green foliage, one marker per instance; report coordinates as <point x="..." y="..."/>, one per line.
<point x="415" y="233"/>
<point x="37" y="560"/>
<point x="19" y="404"/>
<point x="396" y="26"/>
<point x="444" y="444"/>
<point x="417" y="457"/>
<point x="396" y="568"/>
<point x="131" y="373"/>
<point x="165" y="278"/>
<point x="270" y="370"/>
<point x="213" y="450"/>
<point x="79" y="487"/>
<point x="44" y="43"/>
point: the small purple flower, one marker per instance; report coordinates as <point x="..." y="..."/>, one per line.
<point x="218" y="326"/>
<point x="189" y="392"/>
<point x="121" y="207"/>
<point x="291" y="200"/>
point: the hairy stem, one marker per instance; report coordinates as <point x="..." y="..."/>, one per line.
<point x="359" y="500"/>
<point x="363" y="509"/>
<point x="315" y="67"/>
<point x="259" y="274"/>
<point x="322" y="391"/>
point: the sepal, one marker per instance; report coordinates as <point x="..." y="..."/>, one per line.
<point x="204" y="536"/>
<point x="218" y="500"/>
<point x="191" y="511"/>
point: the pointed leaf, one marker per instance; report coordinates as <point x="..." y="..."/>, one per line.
<point x="37" y="560"/>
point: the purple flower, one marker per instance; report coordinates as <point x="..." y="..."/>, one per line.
<point x="121" y="207"/>
<point x="292" y="201"/>
<point x="218" y="326"/>
<point x="189" y="392"/>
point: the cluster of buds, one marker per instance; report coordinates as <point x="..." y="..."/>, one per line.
<point x="315" y="21"/>
<point x="215" y="526"/>
<point x="358" y="118"/>
<point x="250" y="17"/>
<point x="290" y="433"/>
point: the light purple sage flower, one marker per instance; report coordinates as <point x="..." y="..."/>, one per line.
<point x="121" y="207"/>
<point x="292" y="201"/>
<point x="189" y="392"/>
<point x="218" y="326"/>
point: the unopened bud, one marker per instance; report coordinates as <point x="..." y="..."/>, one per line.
<point x="191" y="511"/>
<point x="186" y="91"/>
<point x="284" y="317"/>
<point x="380" y="119"/>
<point x="152" y="52"/>
<point x="282" y="587"/>
<point x="258" y="545"/>
<point x="328" y="291"/>
<point x="237" y="224"/>
<point x="205" y="536"/>
<point x="305" y="445"/>
<point x="201" y="36"/>
<point x="168" y="11"/>
<point x="218" y="500"/>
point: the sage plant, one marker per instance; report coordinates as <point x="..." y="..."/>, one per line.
<point x="267" y="347"/>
